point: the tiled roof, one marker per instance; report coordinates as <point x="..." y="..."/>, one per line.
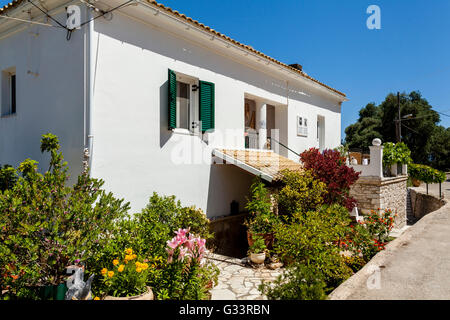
<point x="268" y="164"/>
<point x="10" y="5"/>
<point x="169" y="10"/>
<point x="216" y="33"/>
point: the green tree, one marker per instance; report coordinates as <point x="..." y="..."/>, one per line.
<point x="440" y="148"/>
<point x="367" y="128"/>
<point x="420" y="131"/>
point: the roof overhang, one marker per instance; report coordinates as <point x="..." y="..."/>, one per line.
<point x="263" y="163"/>
<point x="181" y="24"/>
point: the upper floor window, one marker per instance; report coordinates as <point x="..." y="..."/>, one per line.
<point x="8" y="92"/>
<point x="302" y="126"/>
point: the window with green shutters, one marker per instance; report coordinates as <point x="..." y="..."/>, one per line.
<point x="206" y="105"/>
<point x="203" y="96"/>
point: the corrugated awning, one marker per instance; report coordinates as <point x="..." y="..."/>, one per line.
<point x="266" y="164"/>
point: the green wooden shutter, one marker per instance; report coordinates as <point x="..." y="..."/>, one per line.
<point x="172" y="99"/>
<point x="206" y="105"/>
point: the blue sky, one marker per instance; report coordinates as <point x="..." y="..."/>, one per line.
<point x="330" y="39"/>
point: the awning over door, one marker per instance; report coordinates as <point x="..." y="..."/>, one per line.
<point x="266" y="164"/>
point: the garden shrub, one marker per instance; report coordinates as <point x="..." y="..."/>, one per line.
<point x="8" y="177"/>
<point x="299" y="282"/>
<point x="310" y="238"/>
<point x="45" y="225"/>
<point x="396" y="153"/>
<point x="330" y="168"/>
<point x="299" y="192"/>
<point x="262" y="219"/>
<point x="155" y="224"/>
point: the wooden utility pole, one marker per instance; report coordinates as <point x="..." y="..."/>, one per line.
<point x="399" y="121"/>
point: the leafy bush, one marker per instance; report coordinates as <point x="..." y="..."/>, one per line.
<point x="299" y="192"/>
<point x="299" y="282"/>
<point x="330" y="168"/>
<point x="8" y="177"/>
<point x="425" y="173"/>
<point x="262" y="220"/>
<point x="396" y="153"/>
<point x="310" y="238"/>
<point x="45" y="225"/>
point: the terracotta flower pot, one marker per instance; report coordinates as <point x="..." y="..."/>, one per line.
<point x="145" y="296"/>
<point x="268" y="239"/>
<point x="415" y="182"/>
<point x="258" y="258"/>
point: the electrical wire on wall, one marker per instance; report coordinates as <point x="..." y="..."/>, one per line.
<point x="103" y="13"/>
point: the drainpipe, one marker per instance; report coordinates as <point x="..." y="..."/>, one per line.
<point x="89" y="81"/>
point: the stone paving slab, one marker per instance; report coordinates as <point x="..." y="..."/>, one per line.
<point x="238" y="280"/>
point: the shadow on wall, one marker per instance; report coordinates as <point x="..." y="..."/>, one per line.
<point x="228" y="183"/>
<point x="164" y="132"/>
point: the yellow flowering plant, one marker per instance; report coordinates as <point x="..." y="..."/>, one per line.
<point x="126" y="276"/>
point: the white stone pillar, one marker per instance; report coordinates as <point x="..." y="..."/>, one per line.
<point x="261" y="125"/>
<point x="376" y="157"/>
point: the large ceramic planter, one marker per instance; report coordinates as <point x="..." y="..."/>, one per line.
<point x="258" y="258"/>
<point x="415" y="182"/>
<point x="145" y="296"/>
<point x="394" y="168"/>
<point x="268" y="239"/>
<point x="404" y="169"/>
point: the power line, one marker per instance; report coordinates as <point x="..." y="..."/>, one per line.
<point x="30" y="21"/>
<point x="49" y="16"/>
<point x="410" y="128"/>
<point x="106" y="12"/>
<point x="442" y="113"/>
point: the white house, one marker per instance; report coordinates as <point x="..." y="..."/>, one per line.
<point x="158" y="98"/>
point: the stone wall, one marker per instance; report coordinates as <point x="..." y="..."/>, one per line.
<point x="373" y="193"/>
<point x="230" y="235"/>
<point x="422" y="204"/>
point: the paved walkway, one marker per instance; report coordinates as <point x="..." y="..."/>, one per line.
<point x="414" y="266"/>
<point x="238" y="280"/>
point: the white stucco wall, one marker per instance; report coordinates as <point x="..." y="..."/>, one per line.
<point x="52" y="102"/>
<point x="133" y="149"/>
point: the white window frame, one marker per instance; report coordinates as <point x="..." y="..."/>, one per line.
<point x="6" y="97"/>
<point x="194" y="112"/>
<point x="302" y="126"/>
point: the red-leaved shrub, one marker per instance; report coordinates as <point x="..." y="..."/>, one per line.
<point x="329" y="167"/>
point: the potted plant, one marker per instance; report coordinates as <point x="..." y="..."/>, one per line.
<point x="396" y="156"/>
<point x="126" y="279"/>
<point x="262" y="220"/>
<point x="257" y="250"/>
